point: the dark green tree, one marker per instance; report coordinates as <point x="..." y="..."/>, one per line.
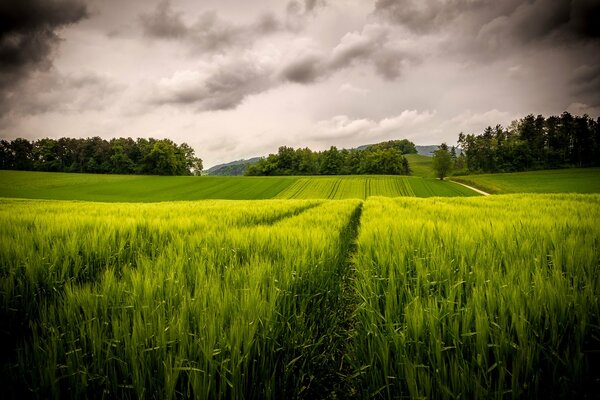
<point x="442" y="161"/>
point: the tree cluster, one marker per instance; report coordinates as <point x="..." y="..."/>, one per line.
<point x="96" y="155"/>
<point x="533" y="143"/>
<point x="383" y="158"/>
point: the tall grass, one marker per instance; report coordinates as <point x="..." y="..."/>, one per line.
<point x="204" y="300"/>
<point x="479" y="298"/>
<point x="491" y="297"/>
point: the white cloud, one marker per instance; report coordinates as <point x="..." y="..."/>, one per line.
<point x="343" y="127"/>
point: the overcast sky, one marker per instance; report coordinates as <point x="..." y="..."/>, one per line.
<point x="238" y="78"/>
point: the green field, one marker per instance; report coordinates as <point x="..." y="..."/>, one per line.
<point x="493" y="297"/>
<point x="576" y="180"/>
<point x="132" y="188"/>
<point x="420" y="165"/>
<point x="362" y="187"/>
<point x="484" y="297"/>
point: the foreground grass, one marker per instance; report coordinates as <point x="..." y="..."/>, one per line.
<point x="493" y="297"/>
<point x="204" y="300"/>
<point x="132" y="188"/>
<point x="576" y="180"/>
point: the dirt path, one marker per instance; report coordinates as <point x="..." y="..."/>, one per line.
<point x="472" y="188"/>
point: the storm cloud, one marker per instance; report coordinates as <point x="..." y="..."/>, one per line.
<point x="524" y="21"/>
<point x="371" y="46"/>
<point x="217" y="87"/>
<point x="225" y="85"/>
<point x="28" y="38"/>
<point x="209" y="33"/>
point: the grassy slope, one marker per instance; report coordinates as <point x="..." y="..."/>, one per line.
<point x="420" y="165"/>
<point x="114" y="188"/>
<point x="577" y="180"/>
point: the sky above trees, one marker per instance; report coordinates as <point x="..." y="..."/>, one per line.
<point x="236" y="79"/>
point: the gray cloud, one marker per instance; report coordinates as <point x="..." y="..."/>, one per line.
<point x="164" y="22"/>
<point x="371" y="46"/>
<point x="522" y="21"/>
<point x="221" y="87"/>
<point x="306" y="69"/>
<point x="28" y="38"/>
<point x="209" y="33"/>
<point x="226" y="83"/>
<point x="585" y="83"/>
<point x="46" y="92"/>
<point x="424" y="15"/>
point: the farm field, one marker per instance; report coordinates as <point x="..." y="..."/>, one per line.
<point x="491" y="297"/>
<point x="363" y="187"/>
<point x="574" y="180"/>
<point x="137" y="188"/>
<point x="205" y="300"/>
<point x="132" y="188"/>
<point x="381" y="298"/>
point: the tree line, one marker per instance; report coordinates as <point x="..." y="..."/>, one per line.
<point x="96" y="155"/>
<point x="382" y="158"/>
<point x="532" y="143"/>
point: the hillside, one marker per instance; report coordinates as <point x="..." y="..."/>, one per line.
<point x="420" y="165"/>
<point x="234" y="168"/>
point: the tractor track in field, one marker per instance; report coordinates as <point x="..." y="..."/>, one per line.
<point x="343" y="382"/>
<point x="471" y="187"/>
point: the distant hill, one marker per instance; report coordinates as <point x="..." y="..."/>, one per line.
<point x="238" y="167"/>
<point x="429" y="149"/>
<point x="234" y="168"/>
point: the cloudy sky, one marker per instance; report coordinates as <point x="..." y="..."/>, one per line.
<point x="238" y="78"/>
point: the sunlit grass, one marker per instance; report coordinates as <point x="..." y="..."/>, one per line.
<point x="205" y="300"/>
<point x="492" y="297"/>
<point x="478" y="298"/>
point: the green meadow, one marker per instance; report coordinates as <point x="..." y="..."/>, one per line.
<point x="420" y="165"/>
<point x="575" y="180"/>
<point x="340" y="288"/>
<point x="134" y="188"/>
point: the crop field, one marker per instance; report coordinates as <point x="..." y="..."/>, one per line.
<point x="575" y="180"/>
<point x="205" y="300"/>
<point x="132" y="188"/>
<point x="492" y="297"/>
<point x="363" y="187"/>
<point x="479" y="298"/>
<point x="136" y="188"/>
